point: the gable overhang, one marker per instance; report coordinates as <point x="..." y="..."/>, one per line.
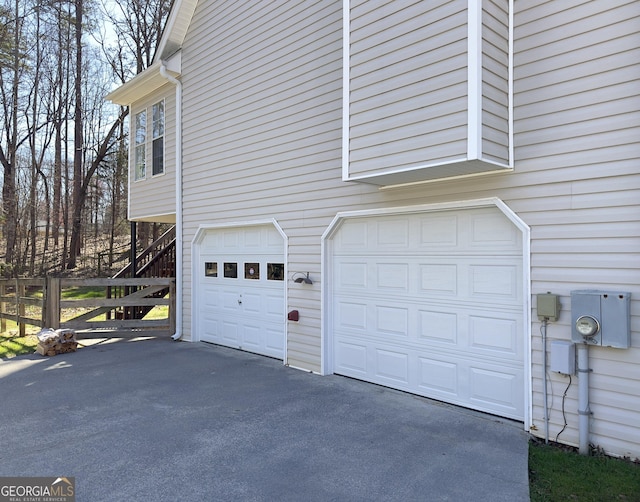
<point x="146" y="82"/>
<point x="175" y="28"/>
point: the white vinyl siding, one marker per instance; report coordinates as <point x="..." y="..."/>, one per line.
<point x="262" y="139"/>
<point x="577" y="123"/>
<point x="408" y="84"/>
<point x="153" y="198"/>
<point x="495" y="81"/>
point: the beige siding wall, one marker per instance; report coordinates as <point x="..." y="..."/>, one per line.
<point x="578" y="124"/>
<point x="262" y="139"/>
<point x="495" y="81"/>
<point x="154" y="198"/>
<point x="408" y="80"/>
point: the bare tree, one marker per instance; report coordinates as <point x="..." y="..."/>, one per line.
<point x="62" y="148"/>
<point x="9" y="87"/>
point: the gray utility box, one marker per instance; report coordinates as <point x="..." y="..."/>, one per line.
<point x="601" y="318"/>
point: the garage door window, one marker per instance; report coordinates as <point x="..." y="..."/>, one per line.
<point x="275" y="271"/>
<point x="211" y="269"/>
<point x="231" y="270"/>
<point x="252" y="271"/>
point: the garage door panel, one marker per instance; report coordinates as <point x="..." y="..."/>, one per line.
<point x="352" y="274"/>
<point x="491" y="281"/>
<point x="351" y="358"/>
<point x="438" y="326"/>
<point x="475" y="330"/>
<point x="251" y="337"/>
<point x="495" y="335"/>
<point x="439" y="279"/>
<point x="353" y="235"/>
<point x="230" y="300"/>
<point x="495" y="391"/>
<point x="393" y="321"/>
<point x="432" y="303"/>
<point x="436" y="376"/>
<point x="274" y="342"/>
<point x="392" y="365"/>
<point x="212" y="330"/>
<point x="438" y="232"/>
<point x="251" y="303"/>
<point x="393" y="276"/>
<point x="230" y="333"/>
<point x="274" y="307"/>
<point x="351" y="315"/>
<point x="493" y="231"/>
<point x="498" y="281"/>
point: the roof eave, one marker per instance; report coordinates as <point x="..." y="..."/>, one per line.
<point x="144" y="83"/>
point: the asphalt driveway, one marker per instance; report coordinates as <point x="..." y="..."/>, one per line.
<point x="152" y="419"/>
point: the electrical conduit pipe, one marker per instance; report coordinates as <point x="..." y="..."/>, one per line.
<point x="178" y="265"/>
<point x="584" y="412"/>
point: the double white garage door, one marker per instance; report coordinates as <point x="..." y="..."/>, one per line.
<point x="430" y="303"/>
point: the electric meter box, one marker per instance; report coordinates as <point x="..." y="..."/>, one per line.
<point x="601" y="318"/>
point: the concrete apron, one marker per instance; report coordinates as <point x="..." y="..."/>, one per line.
<point x="152" y="419"/>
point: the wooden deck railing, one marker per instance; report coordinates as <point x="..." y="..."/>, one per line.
<point x="104" y="313"/>
<point x="157" y="260"/>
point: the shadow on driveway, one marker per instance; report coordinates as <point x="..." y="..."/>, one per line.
<point x="152" y="419"/>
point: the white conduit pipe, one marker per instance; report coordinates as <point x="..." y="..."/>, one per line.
<point x="178" y="303"/>
<point x="544" y="381"/>
<point x="584" y="412"/>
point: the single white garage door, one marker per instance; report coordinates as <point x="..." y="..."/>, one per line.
<point x="240" y="289"/>
<point x="432" y="303"/>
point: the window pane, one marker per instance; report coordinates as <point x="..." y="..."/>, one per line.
<point x="140" y="163"/>
<point x="141" y="127"/>
<point x="252" y="271"/>
<point x="158" y="156"/>
<point x="158" y="119"/>
<point x="211" y="269"/>
<point x="275" y="271"/>
<point x="231" y="270"/>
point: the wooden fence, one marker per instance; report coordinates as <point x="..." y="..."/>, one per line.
<point x="15" y="296"/>
<point x="121" y="308"/>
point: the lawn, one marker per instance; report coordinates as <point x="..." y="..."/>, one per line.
<point x="558" y="473"/>
<point x="12" y="345"/>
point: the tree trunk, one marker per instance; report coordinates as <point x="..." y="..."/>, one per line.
<point x="76" y="223"/>
<point x="9" y="198"/>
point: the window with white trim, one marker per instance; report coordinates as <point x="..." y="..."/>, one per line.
<point x="140" y="167"/>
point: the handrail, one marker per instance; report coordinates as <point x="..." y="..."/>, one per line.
<point x="149" y="254"/>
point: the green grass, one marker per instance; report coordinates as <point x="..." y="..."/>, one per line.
<point x="83" y="293"/>
<point x="14" y="345"/>
<point x="158" y="312"/>
<point x="560" y="473"/>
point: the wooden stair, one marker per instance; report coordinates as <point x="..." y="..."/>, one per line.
<point x="157" y="260"/>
